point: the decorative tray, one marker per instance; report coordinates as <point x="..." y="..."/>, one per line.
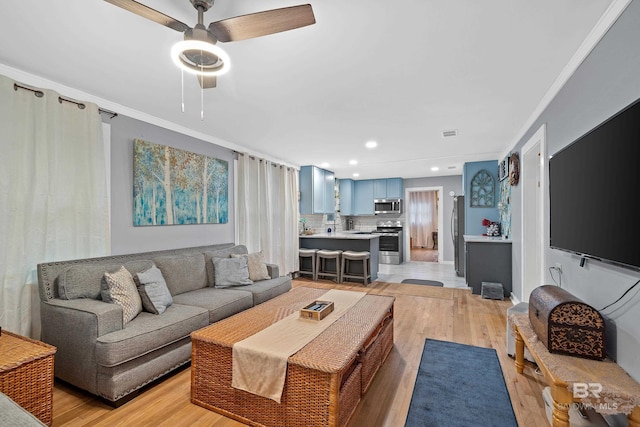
<point x="317" y="310"/>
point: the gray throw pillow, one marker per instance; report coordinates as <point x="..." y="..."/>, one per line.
<point x="231" y="272"/>
<point x="153" y="290"/>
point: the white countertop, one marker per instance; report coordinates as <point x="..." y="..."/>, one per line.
<point x="340" y="235"/>
<point x="485" y="239"/>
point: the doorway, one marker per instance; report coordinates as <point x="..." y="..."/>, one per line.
<point x="423" y="224"/>
<point x="533" y="178"/>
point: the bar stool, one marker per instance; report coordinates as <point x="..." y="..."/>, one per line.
<point x="365" y="257"/>
<point x="324" y="255"/>
<point x="308" y="253"/>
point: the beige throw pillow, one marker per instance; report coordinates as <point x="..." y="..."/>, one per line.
<point x="119" y="288"/>
<point x="257" y="266"/>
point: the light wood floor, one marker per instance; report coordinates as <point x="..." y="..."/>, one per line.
<point x="420" y="312"/>
<point x="424" y="255"/>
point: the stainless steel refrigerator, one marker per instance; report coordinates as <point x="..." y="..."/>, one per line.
<point x="457" y="234"/>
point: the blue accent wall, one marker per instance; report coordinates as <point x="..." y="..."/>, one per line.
<point x="473" y="216"/>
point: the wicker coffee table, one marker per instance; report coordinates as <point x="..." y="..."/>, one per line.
<point x="325" y="379"/>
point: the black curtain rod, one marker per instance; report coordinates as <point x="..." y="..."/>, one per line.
<point x="40" y="94"/>
<point x="275" y="165"/>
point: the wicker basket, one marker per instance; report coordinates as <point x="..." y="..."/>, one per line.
<point x="26" y="374"/>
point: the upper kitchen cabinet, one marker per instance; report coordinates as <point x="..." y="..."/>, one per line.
<point x="346" y="196"/>
<point x="363" y="197"/>
<point x="317" y="194"/>
<point x="390" y="188"/>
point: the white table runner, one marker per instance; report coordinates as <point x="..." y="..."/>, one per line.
<point x="260" y="361"/>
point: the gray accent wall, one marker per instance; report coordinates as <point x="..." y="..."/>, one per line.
<point x="125" y="238"/>
<point x="448" y="184"/>
<point x="607" y="81"/>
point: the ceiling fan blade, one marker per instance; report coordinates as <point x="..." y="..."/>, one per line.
<point x="206" y="82"/>
<point x="149" y="13"/>
<point x="262" y="23"/>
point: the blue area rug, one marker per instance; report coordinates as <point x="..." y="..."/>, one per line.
<point x="460" y="386"/>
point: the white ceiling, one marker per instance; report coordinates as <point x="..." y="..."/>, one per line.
<point x="397" y="72"/>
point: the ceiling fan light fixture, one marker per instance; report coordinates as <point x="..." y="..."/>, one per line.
<point x="181" y="53"/>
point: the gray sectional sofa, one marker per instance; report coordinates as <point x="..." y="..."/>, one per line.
<point x="97" y="353"/>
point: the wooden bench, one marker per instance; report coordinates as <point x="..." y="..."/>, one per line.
<point x="601" y="385"/>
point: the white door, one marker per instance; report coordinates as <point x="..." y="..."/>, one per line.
<point x="532" y="178"/>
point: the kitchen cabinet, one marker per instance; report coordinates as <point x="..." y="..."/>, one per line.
<point x="390" y="188"/>
<point x="363" y="197"/>
<point x="488" y="260"/>
<point x="346" y="196"/>
<point x="317" y="194"/>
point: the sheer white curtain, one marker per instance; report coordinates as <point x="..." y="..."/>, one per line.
<point x="268" y="211"/>
<point x="422" y="216"/>
<point x="53" y="200"/>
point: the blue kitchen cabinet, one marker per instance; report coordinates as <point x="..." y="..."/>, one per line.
<point x="379" y="188"/>
<point x="395" y="188"/>
<point x="363" y="197"/>
<point x="390" y="188"/>
<point x="346" y="196"/>
<point x="317" y="195"/>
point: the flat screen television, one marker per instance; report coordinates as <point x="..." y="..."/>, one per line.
<point x="594" y="191"/>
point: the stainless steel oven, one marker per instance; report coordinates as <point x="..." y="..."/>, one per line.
<point x="390" y="232"/>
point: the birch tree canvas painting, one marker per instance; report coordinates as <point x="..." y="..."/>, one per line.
<point x="173" y="186"/>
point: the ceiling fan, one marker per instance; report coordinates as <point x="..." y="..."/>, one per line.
<point x="198" y="53"/>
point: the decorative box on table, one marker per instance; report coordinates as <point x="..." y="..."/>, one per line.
<point x="317" y="310"/>
<point x="565" y="324"/>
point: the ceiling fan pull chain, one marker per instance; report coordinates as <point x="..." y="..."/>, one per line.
<point x="202" y="93"/>
<point x="182" y="89"/>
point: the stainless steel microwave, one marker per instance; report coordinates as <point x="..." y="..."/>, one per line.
<point x="387" y="206"/>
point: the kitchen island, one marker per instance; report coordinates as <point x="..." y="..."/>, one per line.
<point x="346" y="242"/>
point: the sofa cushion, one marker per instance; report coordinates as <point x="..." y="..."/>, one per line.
<point x="221" y="303"/>
<point x="153" y="290"/>
<point x="231" y="272"/>
<point x="84" y="280"/>
<point x="119" y="288"/>
<point x="14" y="415"/>
<point x="222" y="253"/>
<point x="264" y="290"/>
<point x="148" y="332"/>
<point x="257" y="266"/>
<point x="183" y="273"/>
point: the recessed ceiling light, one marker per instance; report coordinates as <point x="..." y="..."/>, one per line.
<point x="324" y="165"/>
<point x="435" y="168"/>
<point x="353" y="162"/>
<point x="371" y="144"/>
<point x="356" y="174"/>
